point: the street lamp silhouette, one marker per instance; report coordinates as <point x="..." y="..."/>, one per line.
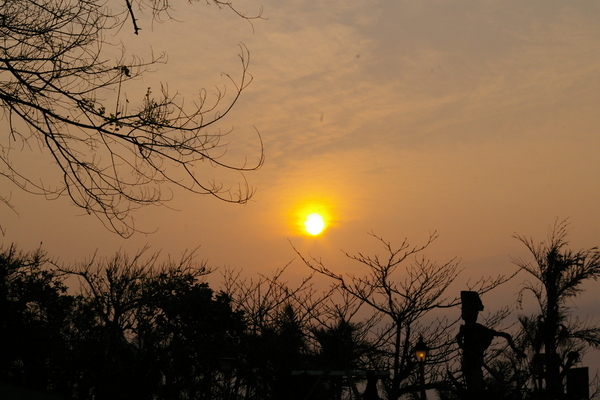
<point x="421" y="350"/>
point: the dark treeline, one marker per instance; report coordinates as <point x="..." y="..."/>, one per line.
<point x="135" y="327"/>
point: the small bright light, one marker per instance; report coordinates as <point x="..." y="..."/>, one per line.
<point x="421" y="350"/>
<point x="314" y="224"/>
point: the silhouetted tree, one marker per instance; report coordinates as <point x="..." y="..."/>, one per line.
<point x="34" y="320"/>
<point x="340" y="346"/>
<point x="279" y="317"/>
<point x="402" y="287"/>
<point x="195" y="330"/>
<point x="559" y="274"/>
<point x="62" y="91"/>
<point x="111" y="356"/>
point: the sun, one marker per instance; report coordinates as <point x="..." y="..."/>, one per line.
<point x="314" y="224"/>
<point x="311" y="217"/>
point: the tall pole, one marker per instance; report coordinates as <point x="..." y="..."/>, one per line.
<point x="422" y="373"/>
<point x="421" y="350"/>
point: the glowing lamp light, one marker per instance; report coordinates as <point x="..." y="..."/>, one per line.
<point x="421" y="350"/>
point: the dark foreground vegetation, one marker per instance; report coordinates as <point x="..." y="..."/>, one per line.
<point x="135" y="327"/>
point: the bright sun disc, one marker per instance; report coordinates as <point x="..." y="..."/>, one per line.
<point x="314" y="224"/>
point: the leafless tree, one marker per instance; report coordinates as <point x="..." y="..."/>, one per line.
<point x="60" y="90"/>
<point x="403" y="287"/>
<point x="115" y="285"/>
<point x="265" y="297"/>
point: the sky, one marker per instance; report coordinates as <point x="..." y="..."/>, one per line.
<point x="475" y="119"/>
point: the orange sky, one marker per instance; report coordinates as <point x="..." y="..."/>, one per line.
<point x="477" y="119"/>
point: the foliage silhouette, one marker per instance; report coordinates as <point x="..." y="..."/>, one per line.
<point x="141" y="328"/>
<point x="558" y="275"/>
<point x="34" y="318"/>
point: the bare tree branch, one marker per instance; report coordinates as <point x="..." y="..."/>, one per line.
<point x="114" y="155"/>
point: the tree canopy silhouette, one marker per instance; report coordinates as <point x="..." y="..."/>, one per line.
<point x="61" y="90"/>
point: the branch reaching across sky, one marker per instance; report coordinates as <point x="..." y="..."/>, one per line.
<point x="61" y="91"/>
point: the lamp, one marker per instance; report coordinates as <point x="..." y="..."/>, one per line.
<point x="421" y="350"/>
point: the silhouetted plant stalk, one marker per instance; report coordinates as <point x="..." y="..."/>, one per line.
<point x="558" y="274"/>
